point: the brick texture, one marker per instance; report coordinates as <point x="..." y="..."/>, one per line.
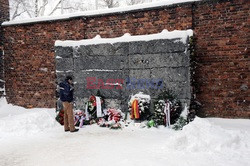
<point x="221" y="29"/>
<point x="4" y="15"/>
<point x="30" y="62"/>
<point x="222" y="52"/>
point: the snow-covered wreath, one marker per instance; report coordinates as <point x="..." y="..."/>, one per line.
<point x="139" y="106"/>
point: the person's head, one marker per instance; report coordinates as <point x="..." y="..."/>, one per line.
<point x="69" y="79"/>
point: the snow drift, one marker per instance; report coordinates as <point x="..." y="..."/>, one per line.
<point x="33" y="137"/>
<point x="202" y="135"/>
<point x="18" y="121"/>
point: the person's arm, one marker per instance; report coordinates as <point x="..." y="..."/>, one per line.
<point x="61" y="91"/>
<point x="71" y="88"/>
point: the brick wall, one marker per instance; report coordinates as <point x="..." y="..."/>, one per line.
<point x="141" y="22"/>
<point x="29" y="48"/>
<point x="4" y="15"/>
<point x="221" y="42"/>
<point x="222" y="49"/>
<point x="4" y="12"/>
<point x="29" y="60"/>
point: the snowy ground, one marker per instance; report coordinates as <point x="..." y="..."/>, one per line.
<point x="32" y="137"/>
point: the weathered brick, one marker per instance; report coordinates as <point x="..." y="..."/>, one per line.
<point x="4" y="16"/>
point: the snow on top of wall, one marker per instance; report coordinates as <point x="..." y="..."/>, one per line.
<point x="99" y="12"/>
<point x="179" y="35"/>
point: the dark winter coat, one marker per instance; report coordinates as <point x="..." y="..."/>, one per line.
<point x="66" y="91"/>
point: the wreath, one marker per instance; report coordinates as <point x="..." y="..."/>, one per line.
<point x="139" y="105"/>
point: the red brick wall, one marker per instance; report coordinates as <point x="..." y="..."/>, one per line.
<point x="140" y="23"/>
<point x="29" y="60"/>
<point x="4" y="10"/>
<point x="222" y="51"/>
<point x="4" y="15"/>
<point x="221" y="37"/>
<point x="29" y="48"/>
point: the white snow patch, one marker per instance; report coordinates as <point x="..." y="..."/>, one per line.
<point x="18" y="121"/>
<point x="32" y="137"/>
<point x="184" y="113"/>
<point x="140" y="95"/>
<point x="99" y="12"/>
<point x="112" y="84"/>
<point x="68" y="71"/>
<point x="58" y="57"/>
<point x="202" y="135"/>
<point x="179" y="35"/>
<point x="44" y="69"/>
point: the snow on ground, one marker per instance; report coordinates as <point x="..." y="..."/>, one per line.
<point x="32" y="137"/>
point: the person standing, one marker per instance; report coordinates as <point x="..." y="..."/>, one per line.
<point x="66" y="96"/>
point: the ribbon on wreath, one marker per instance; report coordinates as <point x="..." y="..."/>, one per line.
<point x="98" y="107"/>
<point x="135" y="110"/>
<point x="167" y="113"/>
<point x="94" y="101"/>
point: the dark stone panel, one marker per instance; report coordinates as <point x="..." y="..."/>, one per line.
<point x="64" y="52"/>
<point x="64" y="64"/>
<point x="100" y="62"/>
<point x="166" y="46"/>
<point x="180" y="74"/>
<point x="81" y="51"/>
<point x="121" y="49"/>
<point x="144" y="66"/>
<point x="156" y="46"/>
<point x="101" y="49"/>
<point x="81" y="76"/>
<point x="138" y="47"/>
<point x="60" y="76"/>
<point x="137" y="61"/>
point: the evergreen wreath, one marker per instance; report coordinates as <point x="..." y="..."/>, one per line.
<point x="91" y="105"/>
<point x="175" y="108"/>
